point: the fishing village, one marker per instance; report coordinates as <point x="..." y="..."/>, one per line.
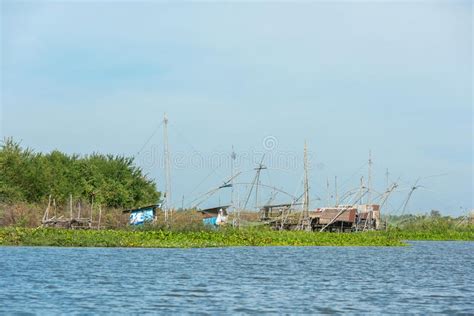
<point x="349" y="213"/>
<point x="357" y="211"/>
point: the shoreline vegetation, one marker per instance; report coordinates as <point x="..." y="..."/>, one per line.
<point x="225" y="237"/>
<point x="19" y="227"/>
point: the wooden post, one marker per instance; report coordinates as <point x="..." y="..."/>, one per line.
<point x="46" y="213"/>
<point x="100" y="216"/>
<point x="92" y="208"/>
<point x="79" y="209"/>
<point x="70" y="206"/>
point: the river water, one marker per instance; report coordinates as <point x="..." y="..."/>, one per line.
<point x="425" y="278"/>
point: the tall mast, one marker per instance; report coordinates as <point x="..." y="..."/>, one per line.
<point x="327" y="192"/>
<point x="306" y="184"/>
<point x="167" y="162"/>
<point x="335" y="188"/>
<point x="369" y="179"/>
<point x="233" y="156"/>
<point x="257" y="181"/>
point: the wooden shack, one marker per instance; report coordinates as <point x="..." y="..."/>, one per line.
<point x="337" y="219"/>
<point x="342" y="218"/>
<point x="142" y="215"/>
<point x="215" y="216"/>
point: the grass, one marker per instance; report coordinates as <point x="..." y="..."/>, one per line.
<point x="206" y="238"/>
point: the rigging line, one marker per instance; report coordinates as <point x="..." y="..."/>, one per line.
<point x="342" y="186"/>
<point x="204" y="198"/>
<point x="208" y="194"/>
<point x="298" y="189"/>
<point x="317" y="197"/>
<point x="436" y="197"/>
<point x="356" y="198"/>
<point x="180" y="134"/>
<point x="269" y="178"/>
<point x="354" y="174"/>
<point x="270" y="182"/>
<point x="389" y="204"/>
<point x="256" y="181"/>
<point x="413" y="189"/>
<point x="214" y="170"/>
<point x="276" y="169"/>
<point x="205" y="179"/>
<point x="403" y="182"/>
<point x="149" y="138"/>
<point x="284" y="216"/>
<point x="251" y="190"/>
<point x="190" y="144"/>
<point x="272" y="198"/>
<point x="269" y="187"/>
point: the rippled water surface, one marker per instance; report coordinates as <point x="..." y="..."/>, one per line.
<point x="426" y="277"/>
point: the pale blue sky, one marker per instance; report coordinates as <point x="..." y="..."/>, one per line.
<point x="393" y="77"/>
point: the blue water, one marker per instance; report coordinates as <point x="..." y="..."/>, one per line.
<point x="425" y="278"/>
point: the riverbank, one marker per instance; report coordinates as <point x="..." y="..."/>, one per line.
<point x="206" y="239"/>
<point x="447" y="235"/>
<point x="191" y="239"/>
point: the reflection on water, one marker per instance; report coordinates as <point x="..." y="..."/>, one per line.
<point x="427" y="277"/>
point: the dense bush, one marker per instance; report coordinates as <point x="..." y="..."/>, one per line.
<point x="114" y="181"/>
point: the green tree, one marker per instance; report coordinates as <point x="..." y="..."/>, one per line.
<point x="112" y="180"/>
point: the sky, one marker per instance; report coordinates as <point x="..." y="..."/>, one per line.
<point x="346" y="77"/>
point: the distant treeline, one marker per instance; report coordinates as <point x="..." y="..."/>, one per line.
<point x="114" y="181"/>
